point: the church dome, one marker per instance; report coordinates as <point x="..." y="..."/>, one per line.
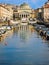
<point x="25" y="6"/>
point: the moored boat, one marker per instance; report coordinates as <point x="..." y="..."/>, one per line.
<point x="47" y="35"/>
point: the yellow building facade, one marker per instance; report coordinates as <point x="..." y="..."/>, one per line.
<point x="32" y="15"/>
<point x="46" y="12"/>
<point x="5" y="13"/>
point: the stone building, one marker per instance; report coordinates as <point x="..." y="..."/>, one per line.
<point x="15" y="13"/>
<point x="38" y="13"/>
<point x="46" y="12"/>
<point x="23" y="11"/>
<point x="32" y="14"/>
<point x="6" y="12"/>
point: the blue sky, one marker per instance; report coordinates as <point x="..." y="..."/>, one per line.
<point x="33" y="3"/>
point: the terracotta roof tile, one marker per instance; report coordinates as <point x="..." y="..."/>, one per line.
<point x="46" y="6"/>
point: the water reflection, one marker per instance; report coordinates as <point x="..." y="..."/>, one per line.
<point x="24" y="32"/>
<point x="15" y="31"/>
<point x="24" y="46"/>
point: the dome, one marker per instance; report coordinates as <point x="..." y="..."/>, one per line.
<point x="25" y="6"/>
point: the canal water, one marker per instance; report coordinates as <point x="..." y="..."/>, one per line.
<point x="24" y="46"/>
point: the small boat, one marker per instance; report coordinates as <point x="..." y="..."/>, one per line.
<point x="47" y="35"/>
<point x="0" y="35"/>
<point x="8" y="28"/>
<point x="43" y="31"/>
<point x="3" y="31"/>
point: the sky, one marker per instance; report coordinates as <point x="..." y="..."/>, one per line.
<point x="32" y="3"/>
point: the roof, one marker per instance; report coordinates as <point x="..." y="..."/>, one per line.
<point x="46" y="6"/>
<point x="24" y="6"/>
<point x="24" y="12"/>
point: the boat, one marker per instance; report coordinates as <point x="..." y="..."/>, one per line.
<point x="47" y="35"/>
<point x="8" y="28"/>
